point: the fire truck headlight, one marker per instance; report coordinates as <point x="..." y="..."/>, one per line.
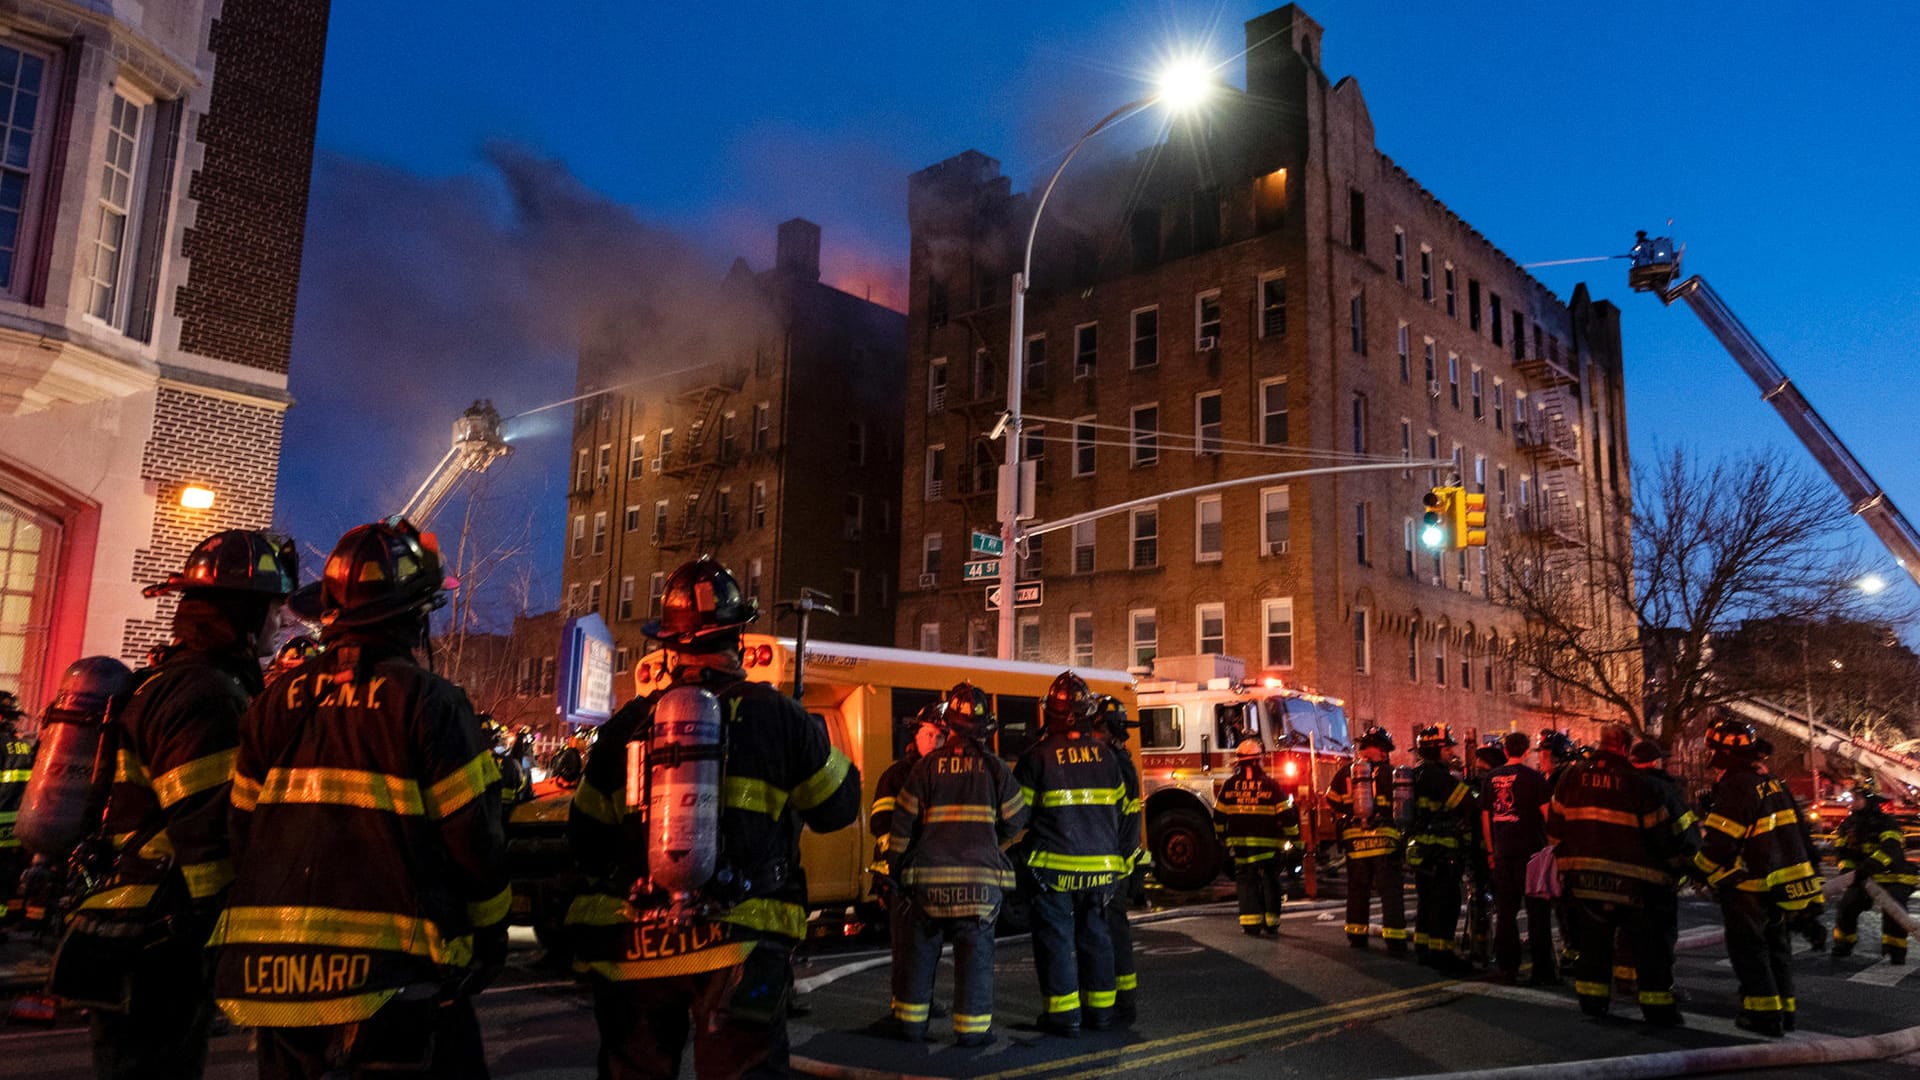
<point x="1291" y="768"/>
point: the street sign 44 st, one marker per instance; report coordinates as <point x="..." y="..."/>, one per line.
<point x="982" y="570"/>
<point x="1025" y="595"/>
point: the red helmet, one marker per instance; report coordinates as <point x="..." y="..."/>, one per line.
<point x="382" y="571"/>
<point x="241" y="560"/>
<point x="1069" y="702"/>
<point x="969" y="712"/>
<point x="700" y="602"/>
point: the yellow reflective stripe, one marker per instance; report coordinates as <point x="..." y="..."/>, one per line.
<point x="1721" y="823"/>
<point x="1255" y="842"/>
<point x="157" y="847"/>
<point x="1356" y="929"/>
<point x="343" y="787"/>
<point x="600" y="909"/>
<point x="207" y="878"/>
<point x="15" y="776"/>
<point x="1047" y="860"/>
<point x="1609" y="866"/>
<point x="693" y="963"/>
<point x="1124" y="983"/>
<point x="1797" y="872"/>
<point x="1459" y="793"/>
<point x="910" y="1013"/>
<point x="1779" y="819"/>
<point x="964" y="1024"/>
<point x="128" y="770"/>
<point x="881" y="805"/>
<point x="820" y="787"/>
<point x="328" y="1012"/>
<point x="957" y="875"/>
<point x="491" y="910"/>
<point x="1084" y="797"/>
<point x="1064" y="1002"/>
<point x="1263" y="809"/>
<point x="1591" y="989"/>
<point x="594" y="803"/>
<point x="126" y="896"/>
<point x="1393" y="933"/>
<point x="340" y="928"/>
<point x="1657" y="997"/>
<point x="1099" y="999"/>
<point x="1770" y="1003"/>
<point x="909" y="804"/>
<point x="758" y="796"/>
<point x="195" y="776"/>
<point x="1027" y="793"/>
<point x="1600" y="814"/>
<point x="245" y="794"/>
<point x="462" y="785"/>
<point x="958" y="814"/>
<point x="770" y="916"/>
<point x="1880" y="856"/>
<point x="1685" y="821"/>
<point x="1014" y="804"/>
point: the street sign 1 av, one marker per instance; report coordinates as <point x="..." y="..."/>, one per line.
<point x="1025" y="595"/>
<point x="986" y="544"/>
<point x="983" y="570"/>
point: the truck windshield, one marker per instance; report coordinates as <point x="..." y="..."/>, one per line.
<point x="1292" y="720"/>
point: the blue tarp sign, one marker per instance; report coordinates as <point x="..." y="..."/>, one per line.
<point x="585" y="690"/>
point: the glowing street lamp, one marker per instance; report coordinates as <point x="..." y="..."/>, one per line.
<point x="1182" y="87"/>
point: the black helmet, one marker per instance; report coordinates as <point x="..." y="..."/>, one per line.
<point x="93" y="686"/>
<point x="1375" y="737"/>
<point x="969" y="712"/>
<point x="1110" y="714"/>
<point x="1557" y="745"/>
<point x="382" y="571"/>
<point x="1069" y="702"/>
<point x="700" y="602"/>
<point x="241" y="560"/>
<point x="1731" y="737"/>
<point x="928" y="714"/>
<point x="1435" y="737"/>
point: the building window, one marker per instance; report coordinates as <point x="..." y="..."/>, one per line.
<point x="753" y="579"/>
<point x="1146" y="435"/>
<point x="1453" y="379"/>
<point x="1146" y="538"/>
<point x="929" y="637"/>
<point x="659" y="520"/>
<point x="852" y="511"/>
<point x="573" y="600"/>
<point x="1440" y="659"/>
<point x="1360" y="553"/>
<point x="984" y="376"/>
<point x="1447" y="278"/>
<point x="1027" y="636"/>
<point x="599" y="532"/>
<point x="1357" y="317"/>
<point x="1402" y="342"/>
<point x="1399" y="255"/>
<point x="1029" y="565"/>
<point x="1426" y="273"/>
<point x="1034" y="373"/>
<point x="1081" y="631"/>
<point x="1086" y="348"/>
<point x="1207" y="539"/>
<point x="579" y="535"/>
<point x="636" y="457"/>
<point x="883" y="589"/>
<point x="1486" y="663"/>
<point x="594" y="592"/>
<point x="1431" y="366"/>
<point x="757" y="504"/>
<point x="1277" y="617"/>
<point x="849" y="591"/>
<point x="1499" y="405"/>
<point x="930" y="555"/>
<point x="603" y="465"/>
<point x="625" y="610"/>
<point x="1084" y="438"/>
<point x="580" y="472"/>
<point x="1270" y="200"/>
<point x="1494" y="320"/>
<point x="1206" y="320"/>
<point x="1273" y="412"/>
<point x="1146" y="337"/>
<point x="978" y="644"/>
<point x="1210" y="629"/>
<point x="1473" y="304"/>
<point x="1362" y="648"/>
<point x="856" y="442"/>
<point x="1206" y="423"/>
<point x="1413" y="653"/>
<point x="762" y="426"/>
<point x="1406" y="542"/>
<point x="1359" y="423"/>
<point x="1466" y="665"/>
<point x="936" y="470"/>
<point x="729" y="435"/>
<point x="1083" y="547"/>
<point x="665" y="456"/>
<point x="1035" y="441"/>
<point x="23" y="77"/>
<point x="1273" y="304"/>
<point x="936" y="384"/>
<point x="723" y="511"/>
<point x="1480" y="473"/>
<point x="1474" y="391"/>
<point x="631" y="523"/>
<point x="1433" y="454"/>
<point x="1519" y="335"/>
<point x="1145" y="636"/>
<point x="121" y="176"/>
<point x="1276" y="521"/>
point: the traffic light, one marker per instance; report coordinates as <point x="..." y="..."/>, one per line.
<point x="1473" y="520"/>
<point x="1437" y="524"/>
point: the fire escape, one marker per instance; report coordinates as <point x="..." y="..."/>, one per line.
<point x="700" y="461"/>
<point x="1546" y="434"/>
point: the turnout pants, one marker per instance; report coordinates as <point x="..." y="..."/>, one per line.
<point x="1509" y="899"/>
<point x="1759" y="946"/>
<point x="1436" y="887"/>
<point x="1380" y="875"/>
<point x="1599" y="922"/>
<point x="645" y="1025"/>
<point x="1126" y="982"/>
<point x="405" y="1038"/>
<point x="164" y="1031"/>
<point x="1073" y="952"/>
<point x="1261" y="893"/>
<point x="1853" y="902"/>
<point x="915" y="964"/>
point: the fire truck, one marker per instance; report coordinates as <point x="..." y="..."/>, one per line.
<point x="1194" y="712"/>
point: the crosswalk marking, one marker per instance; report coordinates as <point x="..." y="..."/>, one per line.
<point x="1883" y="974"/>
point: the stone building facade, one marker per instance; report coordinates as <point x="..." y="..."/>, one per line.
<point x="1266" y="292"/>
<point x="153" y="198"/>
<point x="774" y="447"/>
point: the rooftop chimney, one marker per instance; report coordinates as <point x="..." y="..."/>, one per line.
<point x="799" y="249"/>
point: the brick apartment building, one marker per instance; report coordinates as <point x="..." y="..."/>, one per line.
<point x="153" y="200"/>
<point x="777" y="452"/>
<point x="1273" y="293"/>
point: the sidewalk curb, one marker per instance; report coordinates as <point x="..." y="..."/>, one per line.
<point x="1776" y="1055"/>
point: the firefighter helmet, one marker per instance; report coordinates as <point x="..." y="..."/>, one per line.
<point x="700" y="604"/>
<point x="9" y="707"/>
<point x="1111" y="713"/>
<point x="1436" y="737"/>
<point x="1730" y="736"/>
<point x="1248" y="750"/>
<point x="1069" y="702"/>
<point x="969" y="712"/>
<point x="928" y="714"/>
<point x="1375" y="738"/>
<point x="1557" y="745"/>
<point x="240" y="560"/>
<point x="380" y="572"/>
<point x="1868" y="792"/>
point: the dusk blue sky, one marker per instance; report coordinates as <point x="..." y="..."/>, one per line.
<point x="1781" y="139"/>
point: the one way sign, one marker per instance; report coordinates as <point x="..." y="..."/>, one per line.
<point x="1027" y="594"/>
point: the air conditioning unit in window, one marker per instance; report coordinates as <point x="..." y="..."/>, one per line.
<point x="654" y="463"/>
<point x="1276" y="547"/>
<point x="929" y="581"/>
<point x="1207" y="344"/>
<point x="1433" y="388"/>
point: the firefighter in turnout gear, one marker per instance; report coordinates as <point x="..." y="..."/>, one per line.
<point x="16" y="765"/>
<point x="1255" y="820"/>
<point x="1081" y="840"/>
<point x="1445" y="817"/>
<point x="1871" y="846"/>
<point x="140" y="935"/>
<point x="957" y="809"/>
<point x="1759" y="864"/>
<point x="1363" y="814"/>
<point x="720" y="970"/>
<point x="1111" y="723"/>
<point x="924" y="732"/>
<point x="370" y="896"/>
<point x="1615" y="844"/>
<point x="1663" y="906"/>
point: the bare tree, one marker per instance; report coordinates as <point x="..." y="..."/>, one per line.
<point x="1714" y="545"/>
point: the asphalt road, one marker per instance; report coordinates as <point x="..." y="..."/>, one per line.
<point x="1214" y="1003"/>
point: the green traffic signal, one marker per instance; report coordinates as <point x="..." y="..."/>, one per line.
<point x="1434" y="523"/>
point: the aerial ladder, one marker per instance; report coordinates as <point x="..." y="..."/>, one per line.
<point x="1655" y="265"/>
<point x="477" y="445"/>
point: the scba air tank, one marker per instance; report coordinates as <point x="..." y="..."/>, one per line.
<point x="1403" y="794"/>
<point x="73" y="770"/>
<point x="1362" y="777"/>
<point x="676" y="772"/>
